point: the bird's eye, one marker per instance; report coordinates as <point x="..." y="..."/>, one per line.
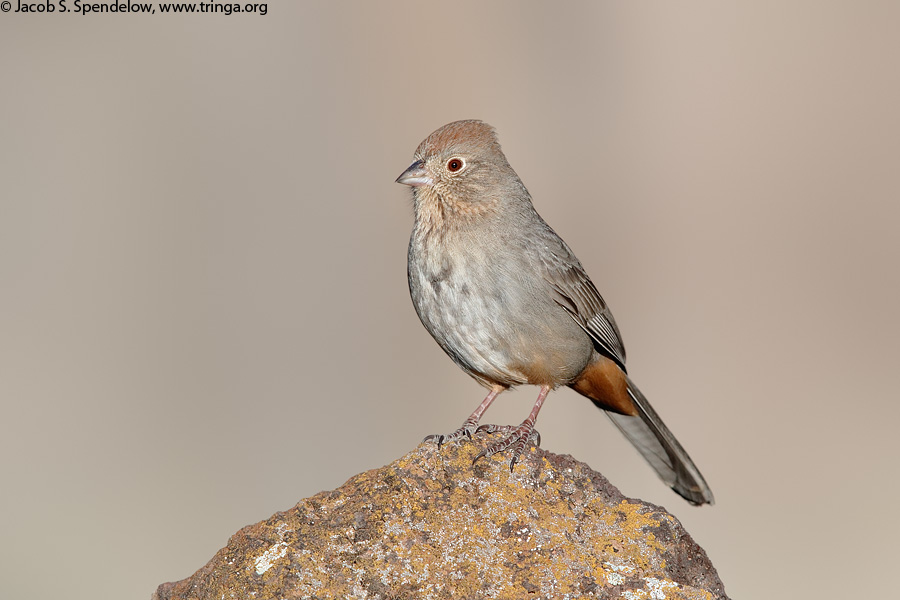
<point x="455" y="164"/>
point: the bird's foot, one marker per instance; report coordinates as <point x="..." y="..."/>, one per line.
<point x="517" y="439"/>
<point x="468" y="428"/>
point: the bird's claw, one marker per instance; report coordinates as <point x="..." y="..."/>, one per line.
<point x="440" y="439"/>
<point x="533" y="436"/>
<point x="518" y="438"/>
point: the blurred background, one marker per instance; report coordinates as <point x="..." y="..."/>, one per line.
<point x="204" y="315"/>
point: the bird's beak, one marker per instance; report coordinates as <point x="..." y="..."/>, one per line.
<point x="416" y="175"/>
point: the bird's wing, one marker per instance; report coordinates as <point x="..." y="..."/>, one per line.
<point x="576" y="293"/>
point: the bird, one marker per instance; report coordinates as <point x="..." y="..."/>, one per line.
<point x="508" y="301"/>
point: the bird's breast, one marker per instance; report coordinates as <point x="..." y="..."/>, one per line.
<point x="492" y="314"/>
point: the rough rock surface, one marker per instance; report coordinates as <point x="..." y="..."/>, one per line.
<point x="433" y="525"/>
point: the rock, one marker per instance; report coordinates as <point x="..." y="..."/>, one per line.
<point x="433" y="525"/>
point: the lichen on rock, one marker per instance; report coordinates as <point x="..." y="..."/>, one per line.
<point x="434" y="525"/>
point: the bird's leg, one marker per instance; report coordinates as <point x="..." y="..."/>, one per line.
<point x="471" y="424"/>
<point x="518" y="436"/>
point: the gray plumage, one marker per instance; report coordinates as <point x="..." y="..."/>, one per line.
<point x="509" y="302"/>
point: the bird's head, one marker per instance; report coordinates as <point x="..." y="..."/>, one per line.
<point x="462" y="168"/>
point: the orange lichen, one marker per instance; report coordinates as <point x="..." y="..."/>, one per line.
<point x="434" y="525"/>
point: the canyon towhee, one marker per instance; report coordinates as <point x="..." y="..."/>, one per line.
<point x="506" y="298"/>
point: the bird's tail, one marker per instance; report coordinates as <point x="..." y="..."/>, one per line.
<point x="660" y="448"/>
